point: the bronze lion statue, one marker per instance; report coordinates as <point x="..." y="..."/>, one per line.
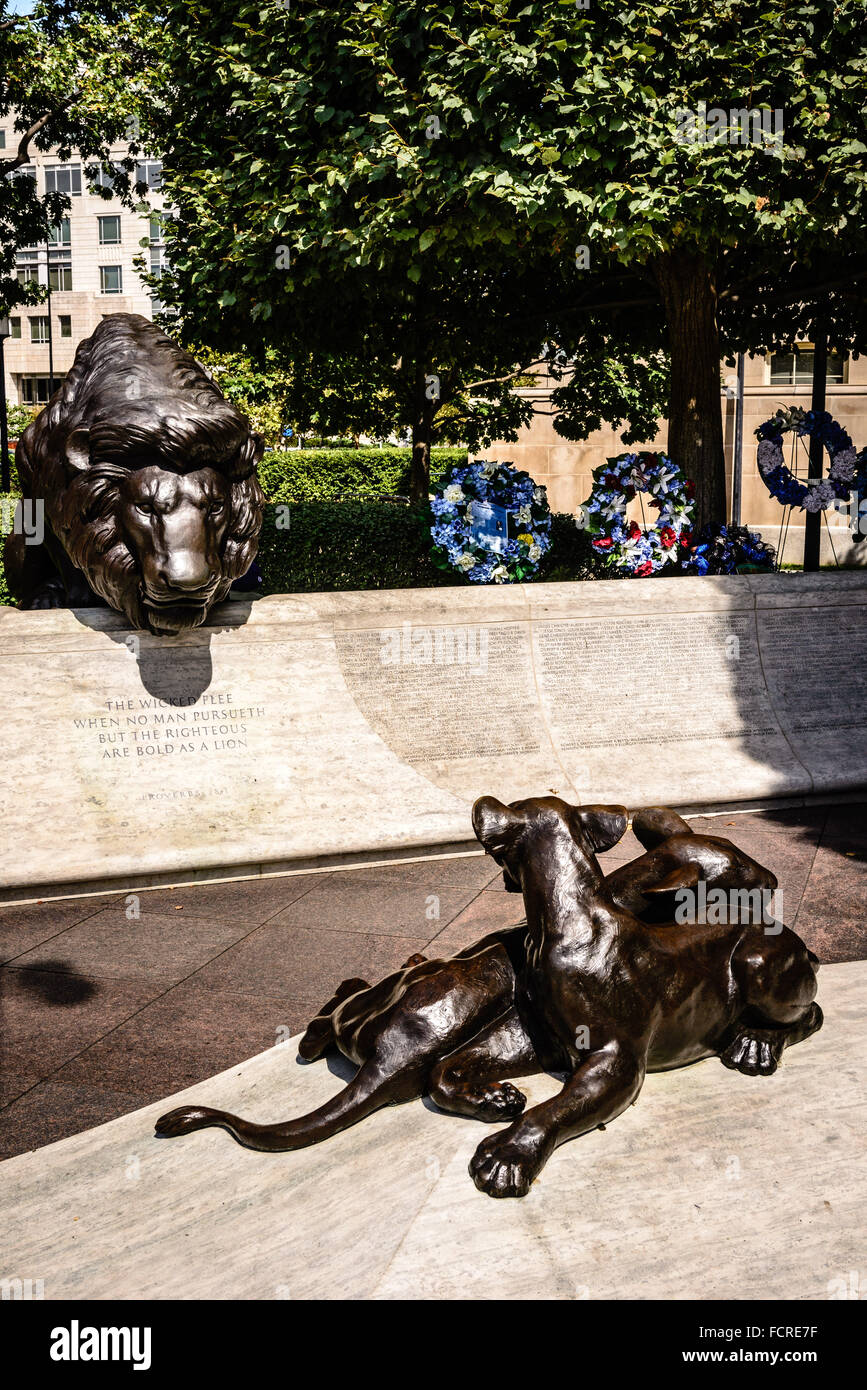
<point x="148" y="479"/>
<point x="585" y="989"/>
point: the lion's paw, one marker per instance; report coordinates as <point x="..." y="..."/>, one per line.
<point x="52" y="594"/>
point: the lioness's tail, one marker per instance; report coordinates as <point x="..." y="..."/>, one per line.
<point x="438" y="1011"/>
<point x="367" y="1091"/>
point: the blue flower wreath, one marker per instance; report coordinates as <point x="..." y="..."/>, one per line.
<point x="459" y="541"/>
<point x="624" y="545"/>
<point x="847" y="471"/>
<point x="720" y="549"/>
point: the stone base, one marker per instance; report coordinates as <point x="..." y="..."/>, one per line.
<point x="713" y="1186"/>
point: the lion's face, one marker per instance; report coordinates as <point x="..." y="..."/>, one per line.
<point x="174" y="525"/>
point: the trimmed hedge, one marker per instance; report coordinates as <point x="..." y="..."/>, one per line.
<point x="318" y="475"/>
<point x="5" y="596"/>
<point x="314" y="546"/>
<point x="318" y="546"/>
<point x="6" y="498"/>
<point x="312" y="541"/>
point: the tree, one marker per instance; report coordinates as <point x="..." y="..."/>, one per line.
<point x="259" y="386"/>
<point x="398" y="152"/>
<point x="262" y="125"/>
<point x="71" y="75"/>
<point x="581" y="124"/>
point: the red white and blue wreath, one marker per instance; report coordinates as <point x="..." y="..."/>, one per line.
<point x="845" y="473"/>
<point x="490" y="522"/>
<point x="626" y="546"/>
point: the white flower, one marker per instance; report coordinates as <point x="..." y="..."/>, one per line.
<point x="842" y="468"/>
<point x="665" y="478"/>
<point x="489" y="468"/>
<point x="612" y="510"/>
<point x="454" y="493"/>
<point x="842" y="472"/>
<point x="846" y="456"/>
<point x="538" y="494"/>
<point x="500" y="574"/>
<point x="818" y="497"/>
<point x="770" y="456"/>
<point x="525" y="514"/>
<point x="466" y="561"/>
<point x="535" y="552"/>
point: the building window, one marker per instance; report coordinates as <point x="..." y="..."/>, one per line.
<point x="35" y="390"/>
<point x="59" y="235"/>
<point x="64" y="178"/>
<point x="2" y="139"/>
<point x="60" y="276"/>
<point x="158" y="260"/>
<point x="111" y="279"/>
<point x="24" y="171"/>
<point x="157" y="250"/>
<point x="101" y="176"/>
<point x="65" y="322"/>
<point x="27" y="267"/>
<point x="796" y="368"/>
<point x="39" y="328"/>
<point x="14" y="328"/>
<point x="109" y="231"/>
<point x="150" y="173"/>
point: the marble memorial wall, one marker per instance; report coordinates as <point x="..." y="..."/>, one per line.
<point x="300" y="729"/>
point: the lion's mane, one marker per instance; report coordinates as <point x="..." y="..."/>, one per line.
<point x="144" y="400"/>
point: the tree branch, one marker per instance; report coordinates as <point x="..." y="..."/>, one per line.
<point x="23" y="155"/>
<point x="493" y="380"/>
<point x="805" y="290"/>
<point x="808" y="291"/>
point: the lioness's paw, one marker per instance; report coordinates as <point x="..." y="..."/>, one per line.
<point x="504" y="1167"/>
<point x="500" y="1100"/>
<point x="754" y="1053"/>
<point x="183" y="1121"/>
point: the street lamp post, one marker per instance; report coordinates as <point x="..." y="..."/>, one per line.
<point x="50" y="323"/>
<point x="5" y="330"/>
<point x="813" y="521"/>
<point x="738" y="451"/>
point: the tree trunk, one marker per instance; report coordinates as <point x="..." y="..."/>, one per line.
<point x="422" y="430"/>
<point x="695" y="431"/>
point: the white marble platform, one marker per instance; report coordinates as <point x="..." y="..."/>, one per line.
<point x="302" y="730"/>
<point x="715" y="1185"/>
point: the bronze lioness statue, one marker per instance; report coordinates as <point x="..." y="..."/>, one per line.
<point x="148" y="479"/>
<point x="586" y="989"/>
